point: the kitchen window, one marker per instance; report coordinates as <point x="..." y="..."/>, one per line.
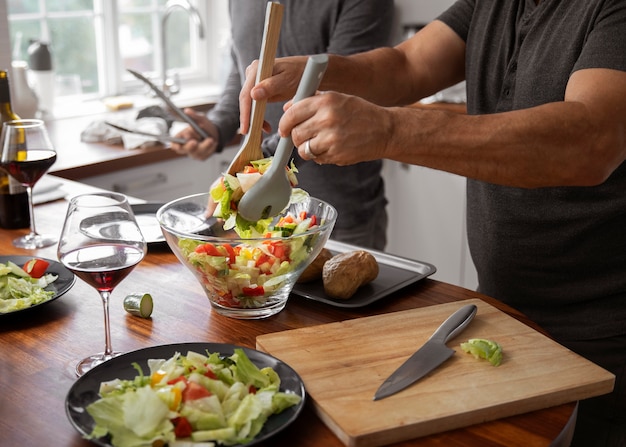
<point x="97" y="40"/>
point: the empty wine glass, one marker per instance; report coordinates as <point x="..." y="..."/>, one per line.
<point x="101" y="243"/>
<point x="27" y="154"/>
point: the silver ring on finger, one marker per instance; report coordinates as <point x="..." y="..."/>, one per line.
<point x="307" y="149"/>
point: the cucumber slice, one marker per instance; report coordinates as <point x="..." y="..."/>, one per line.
<point x="17" y="270"/>
<point x="139" y="304"/>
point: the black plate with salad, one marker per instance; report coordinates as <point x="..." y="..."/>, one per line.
<point x="85" y="390"/>
<point x="64" y="282"/>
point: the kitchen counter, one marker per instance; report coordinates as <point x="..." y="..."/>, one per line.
<point x="77" y="160"/>
<point x="39" y="346"/>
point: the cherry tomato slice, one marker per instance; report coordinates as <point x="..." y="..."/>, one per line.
<point x="36" y="268"/>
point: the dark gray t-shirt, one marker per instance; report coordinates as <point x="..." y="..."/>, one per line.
<point x="557" y="254"/>
<point x="314" y="27"/>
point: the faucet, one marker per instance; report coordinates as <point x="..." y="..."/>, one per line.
<point x="170" y="86"/>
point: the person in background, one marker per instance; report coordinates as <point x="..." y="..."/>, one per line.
<point x="542" y="146"/>
<point x="308" y="27"/>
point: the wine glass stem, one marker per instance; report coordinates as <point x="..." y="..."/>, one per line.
<point x="31" y="211"/>
<point x="108" y="350"/>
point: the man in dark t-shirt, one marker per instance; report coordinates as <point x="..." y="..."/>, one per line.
<point x="543" y="147"/>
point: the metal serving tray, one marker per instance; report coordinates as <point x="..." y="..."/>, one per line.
<point x="395" y="272"/>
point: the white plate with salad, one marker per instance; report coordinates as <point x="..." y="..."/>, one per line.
<point x="101" y="395"/>
<point x="27" y="294"/>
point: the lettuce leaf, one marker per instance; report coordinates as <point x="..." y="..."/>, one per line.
<point x="134" y="413"/>
<point x="19" y="291"/>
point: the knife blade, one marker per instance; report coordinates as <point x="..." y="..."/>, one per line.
<point x="428" y="357"/>
<point x="170" y="104"/>
<point x="161" y="138"/>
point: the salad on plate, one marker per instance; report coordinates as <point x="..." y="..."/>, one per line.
<point x="205" y="399"/>
<point x="21" y="288"/>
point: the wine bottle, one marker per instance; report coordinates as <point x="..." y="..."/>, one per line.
<point x="13" y="197"/>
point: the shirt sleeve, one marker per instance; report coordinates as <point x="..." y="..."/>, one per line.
<point x="458" y="17"/>
<point x="605" y="46"/>
<point x="362" y="25"/>
<point x="225" y="114"/>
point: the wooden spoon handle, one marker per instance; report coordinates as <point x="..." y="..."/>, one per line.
<point x="271" y="34"/>
<point x="251" y="147"/>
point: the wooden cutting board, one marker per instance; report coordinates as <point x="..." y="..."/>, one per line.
<point x="342" y="364"/>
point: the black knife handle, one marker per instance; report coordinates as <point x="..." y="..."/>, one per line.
<point x="454" y="324"/>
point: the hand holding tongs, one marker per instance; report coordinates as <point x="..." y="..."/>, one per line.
<point x="182" y="115"/>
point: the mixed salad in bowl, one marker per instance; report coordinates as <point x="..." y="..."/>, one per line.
<point x="247" y="269"/>
<point x="247" y="275"/>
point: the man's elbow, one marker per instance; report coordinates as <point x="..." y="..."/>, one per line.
<point x="604" y="155"/>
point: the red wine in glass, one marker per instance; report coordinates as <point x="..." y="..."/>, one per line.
<point x="35" y="164"/>
<point x="100" y="243"/>
<point x="26" y="154"/>
<point x="103" y="266"/>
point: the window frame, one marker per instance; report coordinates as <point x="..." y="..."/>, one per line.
<point x="112" y="77"/>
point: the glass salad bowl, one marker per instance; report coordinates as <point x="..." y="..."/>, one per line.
<point x="248" y="273"/>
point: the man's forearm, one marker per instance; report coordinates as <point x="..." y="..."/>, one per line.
<point x="549" y="145"/>
<point x="417" y="68"/>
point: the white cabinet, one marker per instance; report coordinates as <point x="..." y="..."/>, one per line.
<point x="427" y="220"/>
<point x="427" y="207"/>
<point x="167" y="180"/>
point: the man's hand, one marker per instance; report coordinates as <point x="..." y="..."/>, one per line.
<point x="281" y="86"/>
<point x="195" y="147"/>
<point x="322" y="130"/>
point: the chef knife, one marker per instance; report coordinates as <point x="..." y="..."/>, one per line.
<point x="162" y="138"/>
<point x="428" y="357"/>
<point x="170" y="104"/>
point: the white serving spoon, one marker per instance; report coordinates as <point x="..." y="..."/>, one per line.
<point x="270" y="194"/>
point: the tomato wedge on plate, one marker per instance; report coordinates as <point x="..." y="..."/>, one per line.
<point x="36" y="268"/>
<point x="194" y="391"/>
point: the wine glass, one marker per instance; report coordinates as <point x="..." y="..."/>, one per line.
<point x="101" y="243"/>
<point x="27" y="153"/>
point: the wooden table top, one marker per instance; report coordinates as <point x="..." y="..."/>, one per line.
<point x="39" y="347"/>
